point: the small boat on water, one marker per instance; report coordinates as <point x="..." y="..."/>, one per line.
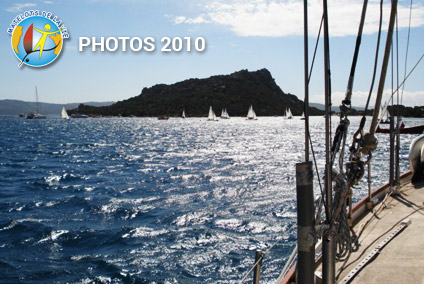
<point x="251" y="115"/>
<point x="64" y="113"/>
<point x="384" y="114"/>
<point x="211" y="115"/>
<point x="288" y="114"/>
<point x="163" y="117"/>
<point x="183" y="115"/>
<point x="77" y="115"/>
<point x="224" y="114"/>
<point x="418" y="129"/>
<point x="36" y="114"/>
<point x="303" y="116"/>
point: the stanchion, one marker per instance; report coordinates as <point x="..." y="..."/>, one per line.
<point x="305" y="223"/>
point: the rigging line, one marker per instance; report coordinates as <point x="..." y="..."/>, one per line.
<point x="377" y="210"/>
<point x="407" y="76"/>
<point x="397" y="62"/>
<point x="398" y="118"/>
<point x="316" y="169"/>
<point x="375" y="59"/>
<point x="327" y="74"/>
<point x="306" y="78"/>
<point x="309" y="79"/>
<point x="347" y="101"/>
<point x="391" y="58"/>
<point x="316" y="48"/>
<point x="261" y="258"/>
<point x="407" y="49"/>
<point x="383" y="71"/>
<point x="251" y="269"/>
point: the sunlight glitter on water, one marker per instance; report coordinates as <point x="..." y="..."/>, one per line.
<point x="137" y="199"/>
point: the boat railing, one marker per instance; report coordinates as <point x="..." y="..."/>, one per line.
<point x="259" y="257"/>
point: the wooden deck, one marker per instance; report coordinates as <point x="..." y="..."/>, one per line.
<point x="401" y="260"/>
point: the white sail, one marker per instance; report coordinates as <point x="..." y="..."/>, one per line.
<point x="183" y="115"/>
<point x="211" y="115"/>
<point x="224" y="114"/>
<point x="64" y="114"/>
<point x="384" y="114"/>
<point x="289" y="114"/>
<point x="251" y="113"/>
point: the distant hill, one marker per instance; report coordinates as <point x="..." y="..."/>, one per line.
<point x="15" y="107"/>
<point x="404" y="111"/>
<point x="333" y="108"/>
<point x="235" y="92"/>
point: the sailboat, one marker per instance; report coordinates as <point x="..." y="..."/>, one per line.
<point x="78" y="115"/>
<point x="36" y="114"/>
<point x="211" y="115"/>
<point x="289" y="114"/>
<point x="64" y="114"/>
<point x="183" y="114"/>
<point x="224" y="114"/>
<point x="384" y="119"/>
<point x="384" y="116"/>
<point x="303" y="116"/>
<point x="418" y="129"/>
<point x="251" y="115"/>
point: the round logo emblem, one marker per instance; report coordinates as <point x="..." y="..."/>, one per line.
<point x="37" y="41"/>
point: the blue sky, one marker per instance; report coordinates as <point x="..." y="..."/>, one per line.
<point x="248" y="34"/>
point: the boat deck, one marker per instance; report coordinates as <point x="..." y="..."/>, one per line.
<point x="401" y="260"/>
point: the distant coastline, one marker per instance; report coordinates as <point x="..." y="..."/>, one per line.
<point x="16" y="107"/>
<point x="235" y="92"/>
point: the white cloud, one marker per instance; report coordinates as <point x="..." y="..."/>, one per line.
<point x="276" y="18"/>
<point x="47" y="2"/>
<point x="201" y="19"/>
<point x="359" y="98"/>
<point x="19" y="7"/>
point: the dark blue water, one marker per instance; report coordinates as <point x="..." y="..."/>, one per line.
<point x="117" y="200"/>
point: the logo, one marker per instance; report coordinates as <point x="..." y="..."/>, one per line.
<point x="37" y="38"/>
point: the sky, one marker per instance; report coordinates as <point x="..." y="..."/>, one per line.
<point x="239" y="34"/>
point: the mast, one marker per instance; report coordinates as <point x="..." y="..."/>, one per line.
<point x="304" y="190"/>
<point x="306" y="75"/>
<point x="36" y="100"/>
<point x="374" y="121"/>
<point x="328" y="237"/>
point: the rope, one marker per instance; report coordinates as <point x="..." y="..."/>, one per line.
<point x="407" y="48"/>
<point x="251" y="269"/>
<point x="375" y="59"/>
<point x="377" y="210"/>
<point x="315" y="50"/>
<point x="407" y="76"/>
<point x="346" y="103"/>
<point x="309" y="136"/>
<point x="260" y="259"/>
<point x="345" y="238"/>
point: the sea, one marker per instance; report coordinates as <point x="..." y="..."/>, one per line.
<point x="142" y="200"/>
